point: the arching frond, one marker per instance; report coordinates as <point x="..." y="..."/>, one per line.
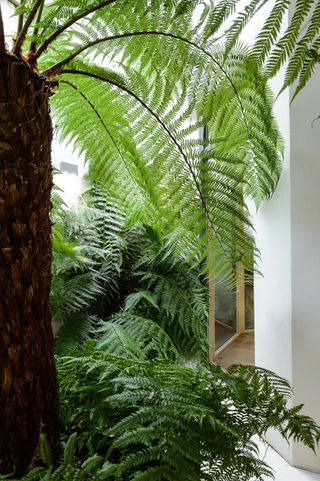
<point x="131" y="73"/>
<point x="290" y="34"/>
<point x="150" y="153"/>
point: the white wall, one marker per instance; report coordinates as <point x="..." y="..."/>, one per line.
<point x="305" y="233"/>
<point x="273" y="290"/>
<point x="287" y="298"/>
<point x="72" y="185"/>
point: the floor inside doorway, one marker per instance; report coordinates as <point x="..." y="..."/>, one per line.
<point x="239" y="351"/>
<point x="223" y="333"/>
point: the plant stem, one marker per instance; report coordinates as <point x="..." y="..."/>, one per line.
<point x="64" y="27"/>
<point x="22" y="34"/>
<point x="2" y="37"/>
<point x="20" y="19"/>
<point x="33" y="45"/>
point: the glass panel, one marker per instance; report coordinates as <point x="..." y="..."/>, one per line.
<point x="225" y="310"/>
<point x="249" y="301"/>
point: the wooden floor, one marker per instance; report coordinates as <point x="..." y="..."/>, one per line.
<point x="239" y="351"/>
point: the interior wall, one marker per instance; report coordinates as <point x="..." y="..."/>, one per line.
<point x="287" y="295"/>
<point x="273" y="289"/>
<point x="287" y="298"/>
<point x="305" y="202"/>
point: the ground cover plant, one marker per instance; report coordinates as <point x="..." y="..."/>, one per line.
<point x="126" y="418"/>
<point x="123" y="78"/>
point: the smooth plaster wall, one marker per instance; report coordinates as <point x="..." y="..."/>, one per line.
<point x="287" y="297"/>
<point x="273" y="289"/>
<point x="305" y="202"/>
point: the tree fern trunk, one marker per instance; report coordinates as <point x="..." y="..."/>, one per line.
<point x="28" y="388"/>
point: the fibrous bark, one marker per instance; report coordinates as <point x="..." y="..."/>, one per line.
<point x="28" y="388"/>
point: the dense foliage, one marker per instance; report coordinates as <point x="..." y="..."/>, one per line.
<point x="136" y="80"/>
<point x="131" y="408"/>
<point x="166" y="421"/>
<point x="135" y="84"/>
<point x="117" y="276"/>
<point x="129" y="419"/>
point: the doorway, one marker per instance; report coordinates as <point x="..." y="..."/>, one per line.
<point x="232" y="310"/>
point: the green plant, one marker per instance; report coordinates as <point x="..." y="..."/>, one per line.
<point x="109" y="265"/>
<point x="127" y="419"/>
<point x="148" y="149"/>
<point x="120" y="78"/>
<point x="164" y="421"/>
<point x="172" y="296"/>
<point x="88" y="249"/>
<point x="70" y="469"/>
<point x="123" y="78"/>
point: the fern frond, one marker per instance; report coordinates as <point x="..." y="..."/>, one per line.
<point x="70" y="450"/>
<point x="288" y="41"/>
<point x="157" y="417"/>
<point x="46" y="451"/>
<point x="297" y="45"/>
<point x="36" y="474"/>
<point x="133" y="299"/>
<point x="151" y="339"/>
<point x="118" y="341"/>
<point x="75" y="329"/>
<point x="270" y="30"/>
<point x="156" y="161"/>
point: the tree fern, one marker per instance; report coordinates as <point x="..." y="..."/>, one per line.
<point x="185" y="199"/>
<point x="137" y="102"/>
<point x="128" y="75"/>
